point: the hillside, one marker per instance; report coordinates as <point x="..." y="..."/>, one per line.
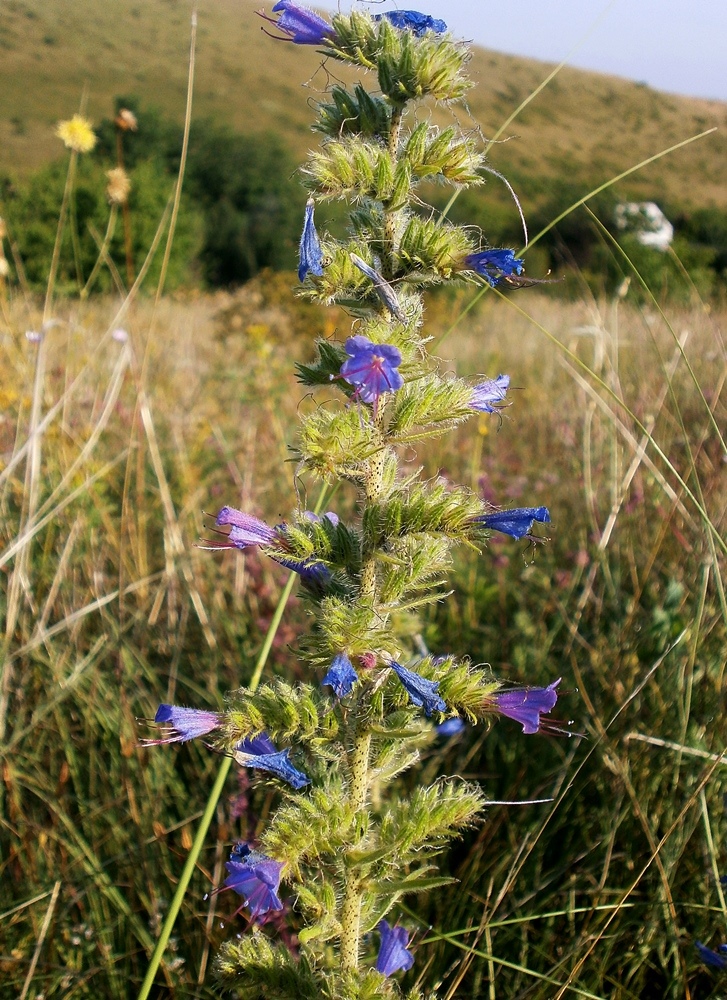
<point x="584" y="128"/>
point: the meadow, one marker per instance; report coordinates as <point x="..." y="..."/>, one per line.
<point x="110" y="607"/>
<point x="128" y="419"/>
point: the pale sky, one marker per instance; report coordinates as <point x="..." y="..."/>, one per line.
<point x="674" y="45"/>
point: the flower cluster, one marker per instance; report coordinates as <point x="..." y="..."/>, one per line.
<point x="343" y="836"/>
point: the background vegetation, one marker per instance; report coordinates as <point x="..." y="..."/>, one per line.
<point x="150" y="412"/>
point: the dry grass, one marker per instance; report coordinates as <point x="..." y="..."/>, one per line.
<point x="115" y="609"/>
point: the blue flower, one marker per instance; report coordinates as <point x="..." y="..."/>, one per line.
<point x="494" y="265"/>
<point x="393" y="954"/>
<point x="517" y="522"/>
<point x="383" y="289"/>
<point x="255" y="877"/>
<point x="245" y="529"/>
<point x="450" y="728"/>
<point x="422" y="692"/>
<point x="311" y="255"/>
<point x="334" y="519"/>
<point x="489" y="396"/>
<point x="713" y="958"/>
<point x="257" y="745"/>
<point x="341" y="676"/>
<point x="413" y="21"/>
<point x="301" y="25"/>
<point x="276" y="763"/>
<point x="183" y="723"/>
<point x="526" y="705"/>
<point x="371" y="368"/>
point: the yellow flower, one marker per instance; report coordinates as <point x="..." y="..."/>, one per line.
<point x="77" y="134"/>
<point x="118" y="187"/>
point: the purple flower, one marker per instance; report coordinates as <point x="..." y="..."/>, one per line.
<point x="713" y="958"/>
<point x="422" y="692"/>
<point x="341" y="676"/>
<point x="413" y="21"/>
<point x="255" y="877"/>
<point x="277" y="763"/>
<point x="393" y="954"/>
<point x="183" y="723"/>
<point x="257" y="745"/>
<point x="371" y="368"/>
<point x="517" y="522"/>
<point x="301" y="25"/>
<point x="245" y="529"/>
<point x="450" y="728"/>
<point x="489" y="396"/>
<point x="526" y="705"/>
<point x="383" y="289"/>
<point x="494" y="265"/>
<point x="311" y="255"/>
<point x="309" y="515"/>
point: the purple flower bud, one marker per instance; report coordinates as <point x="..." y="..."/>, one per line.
<point x="245" y="529"/>
<point x="371" y="368"/>
<point x="383" y="289"/>
<point x="526" y="705"/>
<point x="328" y="516"/>
<point x="276" y="763"/>
<point x="301" y="25"/>
<point x="341" y="676"/>
<point x="393" y="954"/>
<point x="517" y="522"/>
<point x="255" y="877"/>
<point x="412" y="20"/>
<point x="494" y="265"/>
<point x="489" y="396"/>
<point x="422" y="692"/>
<point x="257" y="745"/>
<point x="183" y="723"/>
<point x="311" y="254"/>
<point x="713" y="958"/>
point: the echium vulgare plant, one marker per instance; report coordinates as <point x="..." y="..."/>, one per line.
<point x="343" y="846"/>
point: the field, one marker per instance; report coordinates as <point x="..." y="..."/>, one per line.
<point x="111" y="608"/>
<point x="128" y="420"/>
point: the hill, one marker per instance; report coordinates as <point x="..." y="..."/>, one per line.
<point x="582" y="129"/>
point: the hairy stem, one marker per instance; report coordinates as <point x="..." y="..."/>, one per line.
<point x="387" y="264"/>
<point x="351" y="907"/>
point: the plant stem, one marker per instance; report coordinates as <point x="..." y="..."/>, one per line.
<point x="351" y="907"/>
<point x="397" y="115"/>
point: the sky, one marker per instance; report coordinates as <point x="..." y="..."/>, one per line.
<point x="674" y="45"/>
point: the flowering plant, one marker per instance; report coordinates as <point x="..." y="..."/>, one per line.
<point x="341" y="845"/>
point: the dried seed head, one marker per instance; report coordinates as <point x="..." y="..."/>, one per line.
<point x="126" y="120"/>
<point x="118" y="187"/>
